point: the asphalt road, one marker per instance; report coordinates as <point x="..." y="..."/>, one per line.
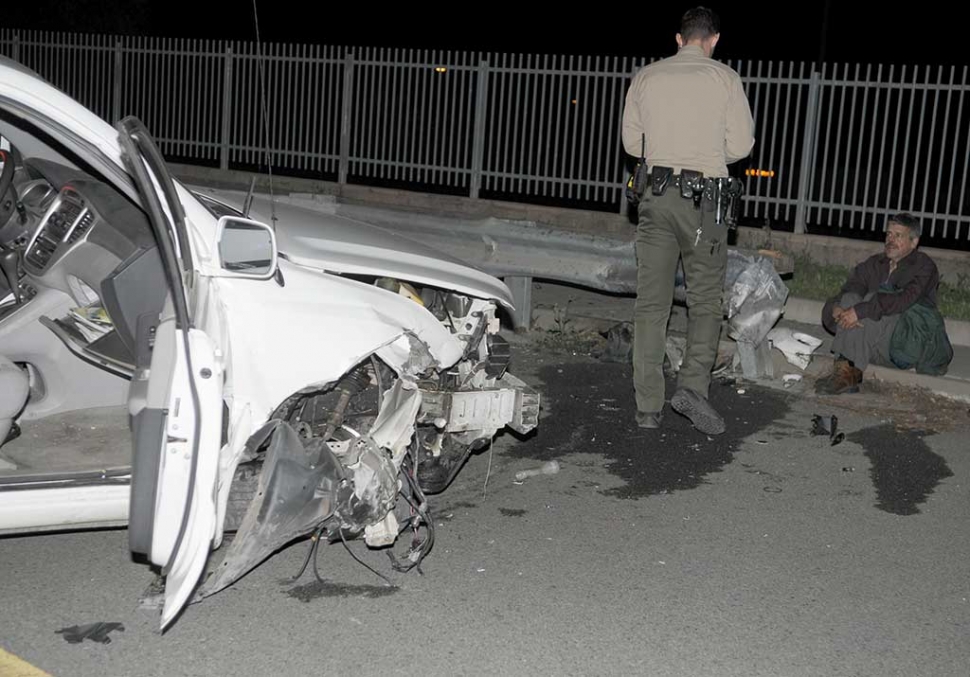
<point x="765" y="551"/>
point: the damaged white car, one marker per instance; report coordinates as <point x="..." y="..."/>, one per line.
<point x="170" y="363"/>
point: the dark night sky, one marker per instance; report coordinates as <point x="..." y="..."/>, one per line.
<point x="858" y="32"/>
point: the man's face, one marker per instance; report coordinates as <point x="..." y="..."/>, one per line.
<point x="898" y="242"/>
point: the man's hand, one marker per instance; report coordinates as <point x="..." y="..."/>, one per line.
<point x="848" y="319"/>
<point x="837" y="312"/>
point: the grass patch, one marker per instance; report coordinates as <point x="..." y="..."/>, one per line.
<point x="820" y="282"/>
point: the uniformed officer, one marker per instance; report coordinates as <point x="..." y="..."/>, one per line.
<point x="686" y="117"/>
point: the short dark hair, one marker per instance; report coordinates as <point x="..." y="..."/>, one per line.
<point x="908" y="220"/>
<point x="700" y="23"/>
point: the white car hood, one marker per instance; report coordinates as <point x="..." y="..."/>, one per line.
<point x="317" y="239"/>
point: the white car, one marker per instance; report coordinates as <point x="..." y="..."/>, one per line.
<point x="169" y="364"/>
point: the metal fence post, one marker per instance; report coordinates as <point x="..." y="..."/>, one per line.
<point x="346" y="109"/>
<point x="117" y="80"/>
<point x="15" y="49"/>
<point x="478" y="140"/>
<point x="226" y="105"/>
<point x="808" y="140"/>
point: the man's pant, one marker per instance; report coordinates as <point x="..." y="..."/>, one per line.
<point x="862" y="345"/>
<point x="667" y="230"/>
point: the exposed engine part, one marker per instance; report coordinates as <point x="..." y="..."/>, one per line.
<point x="499" y="356"/>
<point x="398" y="287"/>
<point x="441" y="457"/>
<point x="458" y="305"/>
<point x="322" y="413"/>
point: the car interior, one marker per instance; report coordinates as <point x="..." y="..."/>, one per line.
<point x="80" y="296"/>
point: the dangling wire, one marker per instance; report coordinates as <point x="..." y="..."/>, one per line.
<point x="419" y="549"/>
<point x="314" y="549"/>
<point x="374" y="571"/>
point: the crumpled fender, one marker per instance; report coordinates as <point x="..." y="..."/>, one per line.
<point x="297" y="490"/>
<point x="302" y="486"/>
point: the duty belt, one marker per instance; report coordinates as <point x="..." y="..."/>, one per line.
<point x="721" y="195"/>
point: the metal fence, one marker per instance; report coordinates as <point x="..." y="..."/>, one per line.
<point x="840" y="148"/>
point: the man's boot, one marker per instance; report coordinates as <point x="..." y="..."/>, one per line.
<point x="845" y="378"/>
<point x="695" y="407"/>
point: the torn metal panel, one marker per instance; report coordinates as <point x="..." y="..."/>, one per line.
<point x="394" y="426"/>
<point x="297" y="492"/>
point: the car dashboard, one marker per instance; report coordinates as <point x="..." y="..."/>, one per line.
<point x="85" y="239"/>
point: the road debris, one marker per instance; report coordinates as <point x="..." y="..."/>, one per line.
<point x="96" y="632"/>
<point x="796" y="346"/>
<point x="827" y="425"/>
<point x="547" y="468"/>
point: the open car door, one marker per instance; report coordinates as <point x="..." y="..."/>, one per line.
<point x="175" y="398"/>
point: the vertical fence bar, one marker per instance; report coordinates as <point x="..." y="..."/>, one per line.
<point x="463" y="102"/>
<point x="226" y="109"/>
<point x="939" y="168"/>
<point x="300" y="130"/>
<point x="373" y="131"/>
<point x="346" y="101"/>
<point x="399" y="102"/>
<point x="540" y="134"/>
<point x="583" y="88"/>
<point x="599" y="122"/>
<point x="421" y="123"/>
<point x="966" y="164"/>
<point x="435" y="115"/>
<point x="387" y="70"/>
<point x="782" y="166"/>
<point x="608" y="94"/>
<point x="872" y="136"/>
<point x="478" y="140"/>
<point x="929" y="146"/>
<point x="909" y="125"/>
<point x="808" y="142"/>
<point x="919" y="134"/>
<point x="815" y="143"/>
<point x="503" y="122"/>
<point x="316" y="70"/>
<point x="455" y="75"/>
<point x="774" y="97"/>
<point x="849" y="145"/>
<point x="117" y="81"/>
<point x="953" y="160"/>
<point x="545" y="140"/>
<point x="512" y="128"/>
<point x="557" y="142"/>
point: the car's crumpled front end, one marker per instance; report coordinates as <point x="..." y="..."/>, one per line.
<point x="423" y="383"/>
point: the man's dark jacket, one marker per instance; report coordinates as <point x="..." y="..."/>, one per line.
<point x="919" y="339"/>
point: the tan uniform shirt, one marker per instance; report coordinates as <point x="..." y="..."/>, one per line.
<point x="693" y="111"/>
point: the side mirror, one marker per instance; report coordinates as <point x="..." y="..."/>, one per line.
<point x="246" y="248"/>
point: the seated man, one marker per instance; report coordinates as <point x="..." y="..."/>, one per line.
<point x="886" y="313"/>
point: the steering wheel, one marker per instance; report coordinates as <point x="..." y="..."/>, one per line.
<point x="9" y="257"/>
<point x="8" y="203"/>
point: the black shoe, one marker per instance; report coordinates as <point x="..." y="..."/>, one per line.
<point x="648" y="420"/>
<point x="698" y="410"/>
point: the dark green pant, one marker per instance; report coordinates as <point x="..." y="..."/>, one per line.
<point x="667" y="230"/>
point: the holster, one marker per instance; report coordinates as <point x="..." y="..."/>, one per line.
<point x="692" y="185"/>
<point x="660" y="179"/>
<point x="725" y="199"/>
<point x="637" y="185"/>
